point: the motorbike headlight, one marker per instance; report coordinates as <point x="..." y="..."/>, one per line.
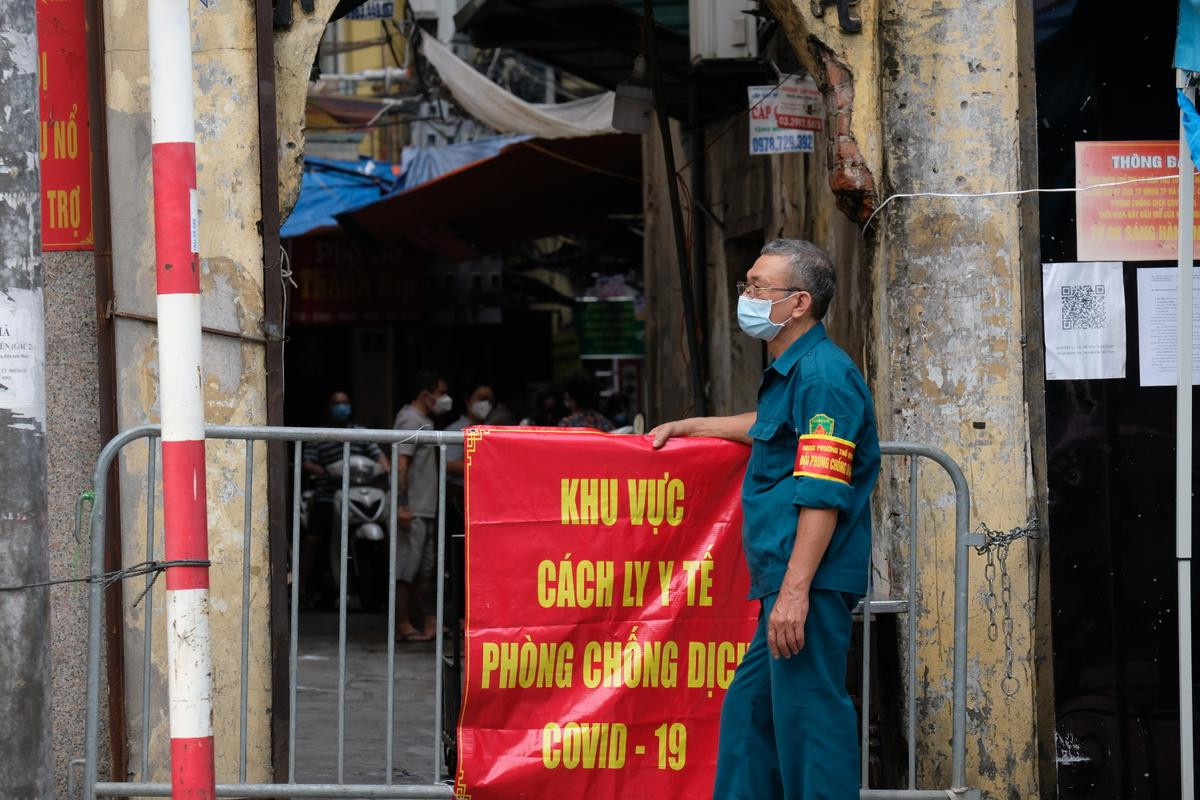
<point x="371" y="532"/>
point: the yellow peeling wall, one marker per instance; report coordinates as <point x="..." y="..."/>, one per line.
<point x="226" y="110"/>
<point x="938" y="107"/>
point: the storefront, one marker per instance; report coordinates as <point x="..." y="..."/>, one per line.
<point x="1104" y="75"/>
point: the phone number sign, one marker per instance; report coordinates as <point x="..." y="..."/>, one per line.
<point x="784" y="118"/>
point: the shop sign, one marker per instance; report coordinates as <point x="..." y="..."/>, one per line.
<point x="605" y="613"/>
<point x="784" y="117"/>
<point x="64" y="144"/>
<point x="1128" y="221"/>
<point x="339" y="282"/>
<point x="610" y="327"/>
<point x="374" y="9"/>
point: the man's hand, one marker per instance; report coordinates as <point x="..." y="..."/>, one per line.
<point x="680" y="427"/>
<point x="404" y="518"/>
<point x="785" y="626"/>
<point x="732" y="428"/>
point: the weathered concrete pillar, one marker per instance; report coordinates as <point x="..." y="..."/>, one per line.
<point x="24" y="548"/>
<point x="951" y="349"/>
<point x="226" y="111"/>
<point x="930" y="96"/>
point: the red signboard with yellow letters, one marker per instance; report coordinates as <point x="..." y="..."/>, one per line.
<point x="606" y="613"/>
<point x="1132" y="213"/>
<point x="64" y="146"/>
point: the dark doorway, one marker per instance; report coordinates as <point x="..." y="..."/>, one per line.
<point x="1104" y="73"/>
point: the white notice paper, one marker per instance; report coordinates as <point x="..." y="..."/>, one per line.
<point x="1158" y="325"/>
<point x="1083" y="309"/>
<point x="22" y="353"/>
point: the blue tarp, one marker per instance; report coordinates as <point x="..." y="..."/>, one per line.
<point x="1187" y="36"/>
<point x="423" y="164"/>
<point x="329" y="188"/>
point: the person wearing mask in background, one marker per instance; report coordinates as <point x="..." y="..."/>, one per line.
<point x="581" y="400"/>
<point x="481" y="403"/>
<point x="317" y="458"/>
<point x="417" y="480"/>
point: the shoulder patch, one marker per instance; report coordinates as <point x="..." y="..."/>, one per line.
<point x="821" y="424"/>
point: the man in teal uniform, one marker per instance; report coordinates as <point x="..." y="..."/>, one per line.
<point x="788" y="727"/>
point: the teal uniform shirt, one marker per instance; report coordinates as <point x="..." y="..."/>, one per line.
<point x="814" y="446"/>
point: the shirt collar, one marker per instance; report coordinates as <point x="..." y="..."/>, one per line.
<point x="783" y="365"/>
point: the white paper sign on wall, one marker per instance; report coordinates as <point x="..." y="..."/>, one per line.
<point x="1083" y="309"/>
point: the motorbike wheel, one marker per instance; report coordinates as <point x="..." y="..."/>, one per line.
<point x="372" y="583"/>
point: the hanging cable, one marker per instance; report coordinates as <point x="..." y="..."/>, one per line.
<point x="649" y="35"/>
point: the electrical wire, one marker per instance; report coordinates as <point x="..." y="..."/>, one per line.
<point x="107" y="579"/>
<point x="391" y="45"/>
<point x="580" y="164"/>
<point x="737" y="120"/>
<point x="1014" y="192"/>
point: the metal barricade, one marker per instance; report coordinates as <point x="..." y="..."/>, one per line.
<point x="963" y="541"/>
<point x="93" y="788"/>
<point x="436" y="788"/>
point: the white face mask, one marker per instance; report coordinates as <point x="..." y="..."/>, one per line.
<point x="442" y="404"/>
<point x="480" y="409"/>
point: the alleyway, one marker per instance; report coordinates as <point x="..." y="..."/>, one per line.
<point x="366" y="703"/>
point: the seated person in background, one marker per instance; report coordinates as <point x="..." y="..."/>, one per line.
<point x="616" y="408"/>
<point x="546" y="409"/>
<point x="581" y="400"/>
<point x="317" y="458"/>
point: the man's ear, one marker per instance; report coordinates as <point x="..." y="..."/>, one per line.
<point x="803" y="305"/>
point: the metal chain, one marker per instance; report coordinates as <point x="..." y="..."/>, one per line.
<point x="989" y="599"/>
<point x="995" y="548"/>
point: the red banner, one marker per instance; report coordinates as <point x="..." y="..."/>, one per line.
<point x="64" y="141"/>
<point x="1129" y="221"/>
<point x="606" y="613"/>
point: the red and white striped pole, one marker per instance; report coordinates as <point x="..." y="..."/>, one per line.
<point x="181" y="400"/>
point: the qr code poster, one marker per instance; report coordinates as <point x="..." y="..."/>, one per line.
<point x="1083" y="306"/>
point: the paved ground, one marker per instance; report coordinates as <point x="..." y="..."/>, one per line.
<point x="366" y="703"/>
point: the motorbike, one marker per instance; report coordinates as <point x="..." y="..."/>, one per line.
<point x="367" y="504"/>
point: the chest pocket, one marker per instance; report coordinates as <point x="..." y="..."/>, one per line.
<point x="773" y="453"/>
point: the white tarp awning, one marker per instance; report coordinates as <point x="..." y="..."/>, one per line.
<point x="498" y="108"/>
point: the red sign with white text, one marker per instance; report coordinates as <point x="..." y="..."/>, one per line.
<point x="64" y="141"/>
<point x="606" y="613"/>
<point x="1138" y="218"/>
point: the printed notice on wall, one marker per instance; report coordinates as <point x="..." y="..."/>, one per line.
<point x="1158" y="326"/>
<point x="21" y="352"/>
<point x="1084" y="316"/>
<point x="1129" y="210"/>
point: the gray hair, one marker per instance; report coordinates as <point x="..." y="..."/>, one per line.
<point x="811" y="268"/>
